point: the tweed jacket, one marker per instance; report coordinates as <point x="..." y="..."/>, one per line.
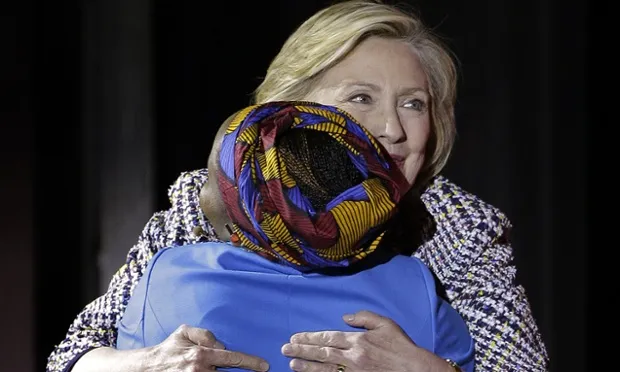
<point x="469" y="253"/>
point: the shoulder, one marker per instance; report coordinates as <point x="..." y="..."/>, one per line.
<point x="410" y="264"/>
<point x="187" y="186"/>
<point x="404" y="269"/>
<point x="185" y="221"/>
<point x="462" y="214"/>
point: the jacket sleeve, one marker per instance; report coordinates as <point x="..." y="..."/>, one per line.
<point x="498" y="314"/>
<point x="478" y="275"/>
<point x="472" y="258"/>
<point x="95" y="325"/>
<point x="183" y="223"/>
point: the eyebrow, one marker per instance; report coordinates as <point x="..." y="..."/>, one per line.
<point x="350" y="84"/>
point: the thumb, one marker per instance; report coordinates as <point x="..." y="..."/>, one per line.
<point x="199" y="336"/>
<point x="366" y="319"/>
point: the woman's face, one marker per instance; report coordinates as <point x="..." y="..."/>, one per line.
<point x="382" y="84"/>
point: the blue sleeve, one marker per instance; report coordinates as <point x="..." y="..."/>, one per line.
<point x="131" y="324"/>
<point x="452" y="339"/>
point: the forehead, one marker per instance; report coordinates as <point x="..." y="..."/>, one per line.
<point x="379" y="61"/>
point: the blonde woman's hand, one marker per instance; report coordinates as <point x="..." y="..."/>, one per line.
<point x="186" y="349"/>
<point x="384" y="346"/>
<point x="196" y="349"/>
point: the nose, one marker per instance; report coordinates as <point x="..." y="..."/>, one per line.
<point x="392" y="130"/>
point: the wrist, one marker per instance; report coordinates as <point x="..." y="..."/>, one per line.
<point x="110" y="359"/>
<point x="435" y="363"/>
<point x="453" y="366"/>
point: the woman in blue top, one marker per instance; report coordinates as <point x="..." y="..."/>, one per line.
<point x="305" y="201"/>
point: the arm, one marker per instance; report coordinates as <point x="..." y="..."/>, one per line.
<point x="186" y="349"/>
<point x="472" y="258"/>
<point x="498" y="314"/>
<point x="91" y="339"/>
<point x="479" y="277"/>
<point x="105" y="359"/>
<point x="95" y="326"/>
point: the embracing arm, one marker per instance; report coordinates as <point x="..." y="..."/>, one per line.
<point x="186" y="349"/>
<point x="479" y="278"/>
<point x="499" y="316"/>
<point x="90" y="342"/>
<point x="95" y="326"/>
<point x="471" y="255"/>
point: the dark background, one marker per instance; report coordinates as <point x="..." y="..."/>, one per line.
<point x="104" y="103"/>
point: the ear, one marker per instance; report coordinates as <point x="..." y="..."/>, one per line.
<point x="202" y="197"/>
<point x="214" y="209"/>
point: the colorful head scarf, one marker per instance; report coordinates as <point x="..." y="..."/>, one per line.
<point x="269" y="213"/>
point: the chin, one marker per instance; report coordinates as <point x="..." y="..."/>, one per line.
<point x="411" y="177"/>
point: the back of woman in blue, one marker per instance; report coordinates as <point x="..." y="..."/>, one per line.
<point x="254" y="306"/>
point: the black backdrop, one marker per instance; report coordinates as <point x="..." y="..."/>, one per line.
<point x="186" y="65"/>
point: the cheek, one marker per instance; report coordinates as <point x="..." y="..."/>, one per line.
<point x="374" y="126"/>
<point x="204" y="200"/>
<point x="418" y="133"/>
<point x="209" y="201"/>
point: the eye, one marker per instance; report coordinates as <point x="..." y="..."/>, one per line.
<point x="361" y="98"/>
<point x="416" y="104"/>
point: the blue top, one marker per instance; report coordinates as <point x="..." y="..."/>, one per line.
<point x="253" y="305"/>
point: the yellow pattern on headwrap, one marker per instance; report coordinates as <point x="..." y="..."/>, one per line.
<point x="274" y="167"/>
<point x="330" y="116"/>
<point x="239" y="118"/>
<point x="354" y="217"/>
<point x="248" y="244"/>
<point x="275" y="229"/>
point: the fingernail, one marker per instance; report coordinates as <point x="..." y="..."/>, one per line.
<point x="287" y="349"/>
<point x="264" y="366"/>
<point x="349" y="317"/>
<point x="297" y="365"/>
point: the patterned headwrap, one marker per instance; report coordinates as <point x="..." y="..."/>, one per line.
<point x="271" y="216"/>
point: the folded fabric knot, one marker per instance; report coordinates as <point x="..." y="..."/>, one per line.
<point x="270" y="213"/>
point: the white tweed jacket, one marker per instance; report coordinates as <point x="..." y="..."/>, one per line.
<point x="469" y="253"/>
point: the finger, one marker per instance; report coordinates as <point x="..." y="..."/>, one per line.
<point x="299" y="365"/>
<point x="225" y="358"/>
<point x="335" y="339"/>
<point x="367" y="319"/>
<point x="199" y="336"/>
<point x="314" y="353"/>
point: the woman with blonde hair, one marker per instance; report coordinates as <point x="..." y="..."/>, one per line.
<point x="384" y="67"/>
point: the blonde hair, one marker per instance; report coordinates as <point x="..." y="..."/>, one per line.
<point x="332" y="33"/>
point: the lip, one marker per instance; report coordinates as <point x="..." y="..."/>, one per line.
<point x="399" y="160"/>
